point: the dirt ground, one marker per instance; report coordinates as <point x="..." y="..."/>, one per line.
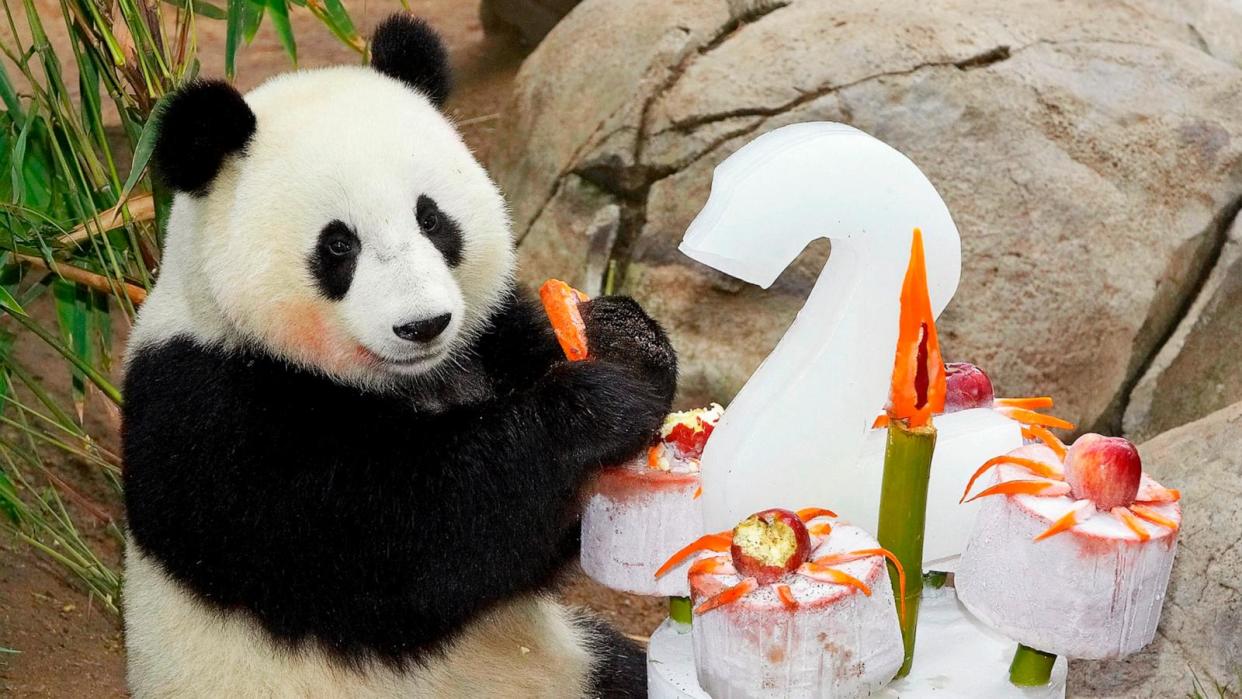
<point x="68" y="646"/>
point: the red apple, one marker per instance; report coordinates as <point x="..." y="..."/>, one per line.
<point x="1105" y="470"/>
<point x="966" y="386"/>
<point x="769" y="545"/>
<point x="688" y="440"/>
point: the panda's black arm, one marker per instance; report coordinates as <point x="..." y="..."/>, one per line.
<point x="519" y="345"/>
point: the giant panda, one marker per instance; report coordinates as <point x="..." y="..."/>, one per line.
<point x="352" y="447"/>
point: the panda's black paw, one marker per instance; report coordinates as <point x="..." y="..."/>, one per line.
<point x="603" y="411"/>
<point x="620" y="332"/>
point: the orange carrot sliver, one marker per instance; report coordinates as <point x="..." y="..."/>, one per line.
<point x="732" y="594"/>
<point x="1144" y="512"/>
<point x="1025" y="488"/>
<point x="1065" y="522"/>
<point x="560" y="302"/>
<point x="709" y="542"/>
<point x="1050" y="440"/>
<point x="1030" y="417"/>
<point x="1030" y="403"/>
<point x="838" y="558"/>
<point x="786" y="596"/>
<point x="833" y="575"/>
<point x="881" y="421"/>
<point x="1132" y="522"/>
<point x="808" y="513"/>
<point x="1036" y="467"/>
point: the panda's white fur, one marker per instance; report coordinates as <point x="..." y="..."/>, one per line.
<point x="340" y="143"/>
<point x="180" y="648"/>
<point x="344" y="143"/>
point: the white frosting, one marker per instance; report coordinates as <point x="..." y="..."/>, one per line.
<point x="1094" y="591"/>
<point x="841" y="643"/>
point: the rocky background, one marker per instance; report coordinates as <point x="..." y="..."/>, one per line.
<point x="1091" y="155"/>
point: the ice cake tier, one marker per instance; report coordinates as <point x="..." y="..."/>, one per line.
<point x="1056" y="574"/>
<point x="813" y="638"/>
<point x="635" y="518"/>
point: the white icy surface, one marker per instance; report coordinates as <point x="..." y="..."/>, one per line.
<point x="1093" y="592"/>
<point x="839" y="643"/>
<point x="626" y="537"/>
<point x="956" y="657"/>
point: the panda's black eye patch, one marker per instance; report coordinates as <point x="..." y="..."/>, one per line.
<point x="442" y="231"/>
<point x="334" y="259"/>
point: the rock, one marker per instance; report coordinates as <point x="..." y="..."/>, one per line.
<point x="1200" y="634"/>
<point x="1090" y="153"/>
<point x="1198" y="370"/>
<point x="531" y="20"/>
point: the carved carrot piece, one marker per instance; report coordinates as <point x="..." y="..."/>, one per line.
<point x="1042" y="434"/>
<point x="787" y="597"/>
<point x="1076" y="515"/>
<point x="1030" y="417"/>
<point x="832" y="575"/>
<point x="1036" y="467"/>
<point x="807" y="514"/>
<point x="1025" y="488"/>
<point x="1030" y="403"/>
<point x="708" y="542"/>
<point x="560" y="302"/>
<point x="1143" y="512"/>
<point x="732" y="594"/>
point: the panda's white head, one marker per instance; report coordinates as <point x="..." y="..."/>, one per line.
<point x="333" y="217"/>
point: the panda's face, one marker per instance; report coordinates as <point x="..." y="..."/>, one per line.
<point x="370" y="239"/>
<point x="354" y="233"/>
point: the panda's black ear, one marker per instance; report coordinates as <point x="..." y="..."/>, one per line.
<point x="408" y="49"/>
<point x="199" y="126"/>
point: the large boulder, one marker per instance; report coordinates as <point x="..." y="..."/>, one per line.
<point x="1090" y="153"/>
<point x="1199" y="369"/>
<point x="1199" y="641"/>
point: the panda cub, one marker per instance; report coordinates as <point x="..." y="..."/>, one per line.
<point x="352" y="445"/>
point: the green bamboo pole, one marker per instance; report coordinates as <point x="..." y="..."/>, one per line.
<point x="1030" y="667"/>
<point x="903" y="514"/>
<point x="680" y="610"/>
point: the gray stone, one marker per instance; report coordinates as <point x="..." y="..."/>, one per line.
<point x="531" y="20"/>
<point x="1200" y="634"/>
<point x="1199" y="369"/>
<point x="1088" y="151"/>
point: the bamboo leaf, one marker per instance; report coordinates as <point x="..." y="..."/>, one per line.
<point x="10" y="504"/>
<point x="232" y="36"/>
<point x="143" y="149"/>
<point x="339" y="17"/>
<point x="9" y="303"/>
<point x="252" y="17"/>
<point x="200" y="8"/>
<point x="72" y="315"/>
<point x="17" y="163"/>
<point x="8" y="94"/>
<point x="280" y="22"/>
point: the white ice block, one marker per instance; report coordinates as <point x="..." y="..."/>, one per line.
<point x="956" y="656"/>
<point x="1094" y="591"/>
<point x="798" y="431"/>
<point x="634" y="520"/>
<point x="839" y="642"/>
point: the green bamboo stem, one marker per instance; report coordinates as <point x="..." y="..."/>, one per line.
<point x="903" y="514"/>
<point x="1030" y="667"/>
<point x="680" y="610"/>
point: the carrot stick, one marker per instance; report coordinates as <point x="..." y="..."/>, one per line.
<point x="560" y="302"/>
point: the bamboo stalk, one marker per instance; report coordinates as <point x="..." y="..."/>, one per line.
<point x="903" y="514"/>
<point x="97" y="282"/>
<point x="680" y="610"/>
<point x="1030" y="667"/>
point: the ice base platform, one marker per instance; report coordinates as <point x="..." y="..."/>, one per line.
<point x="956" y="656"/>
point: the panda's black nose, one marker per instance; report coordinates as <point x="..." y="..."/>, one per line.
<point x="423" y="330"/>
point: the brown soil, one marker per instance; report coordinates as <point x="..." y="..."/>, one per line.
<point x="68" y="646"/>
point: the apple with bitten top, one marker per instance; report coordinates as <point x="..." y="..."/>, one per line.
<point x="769" y="545"/>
